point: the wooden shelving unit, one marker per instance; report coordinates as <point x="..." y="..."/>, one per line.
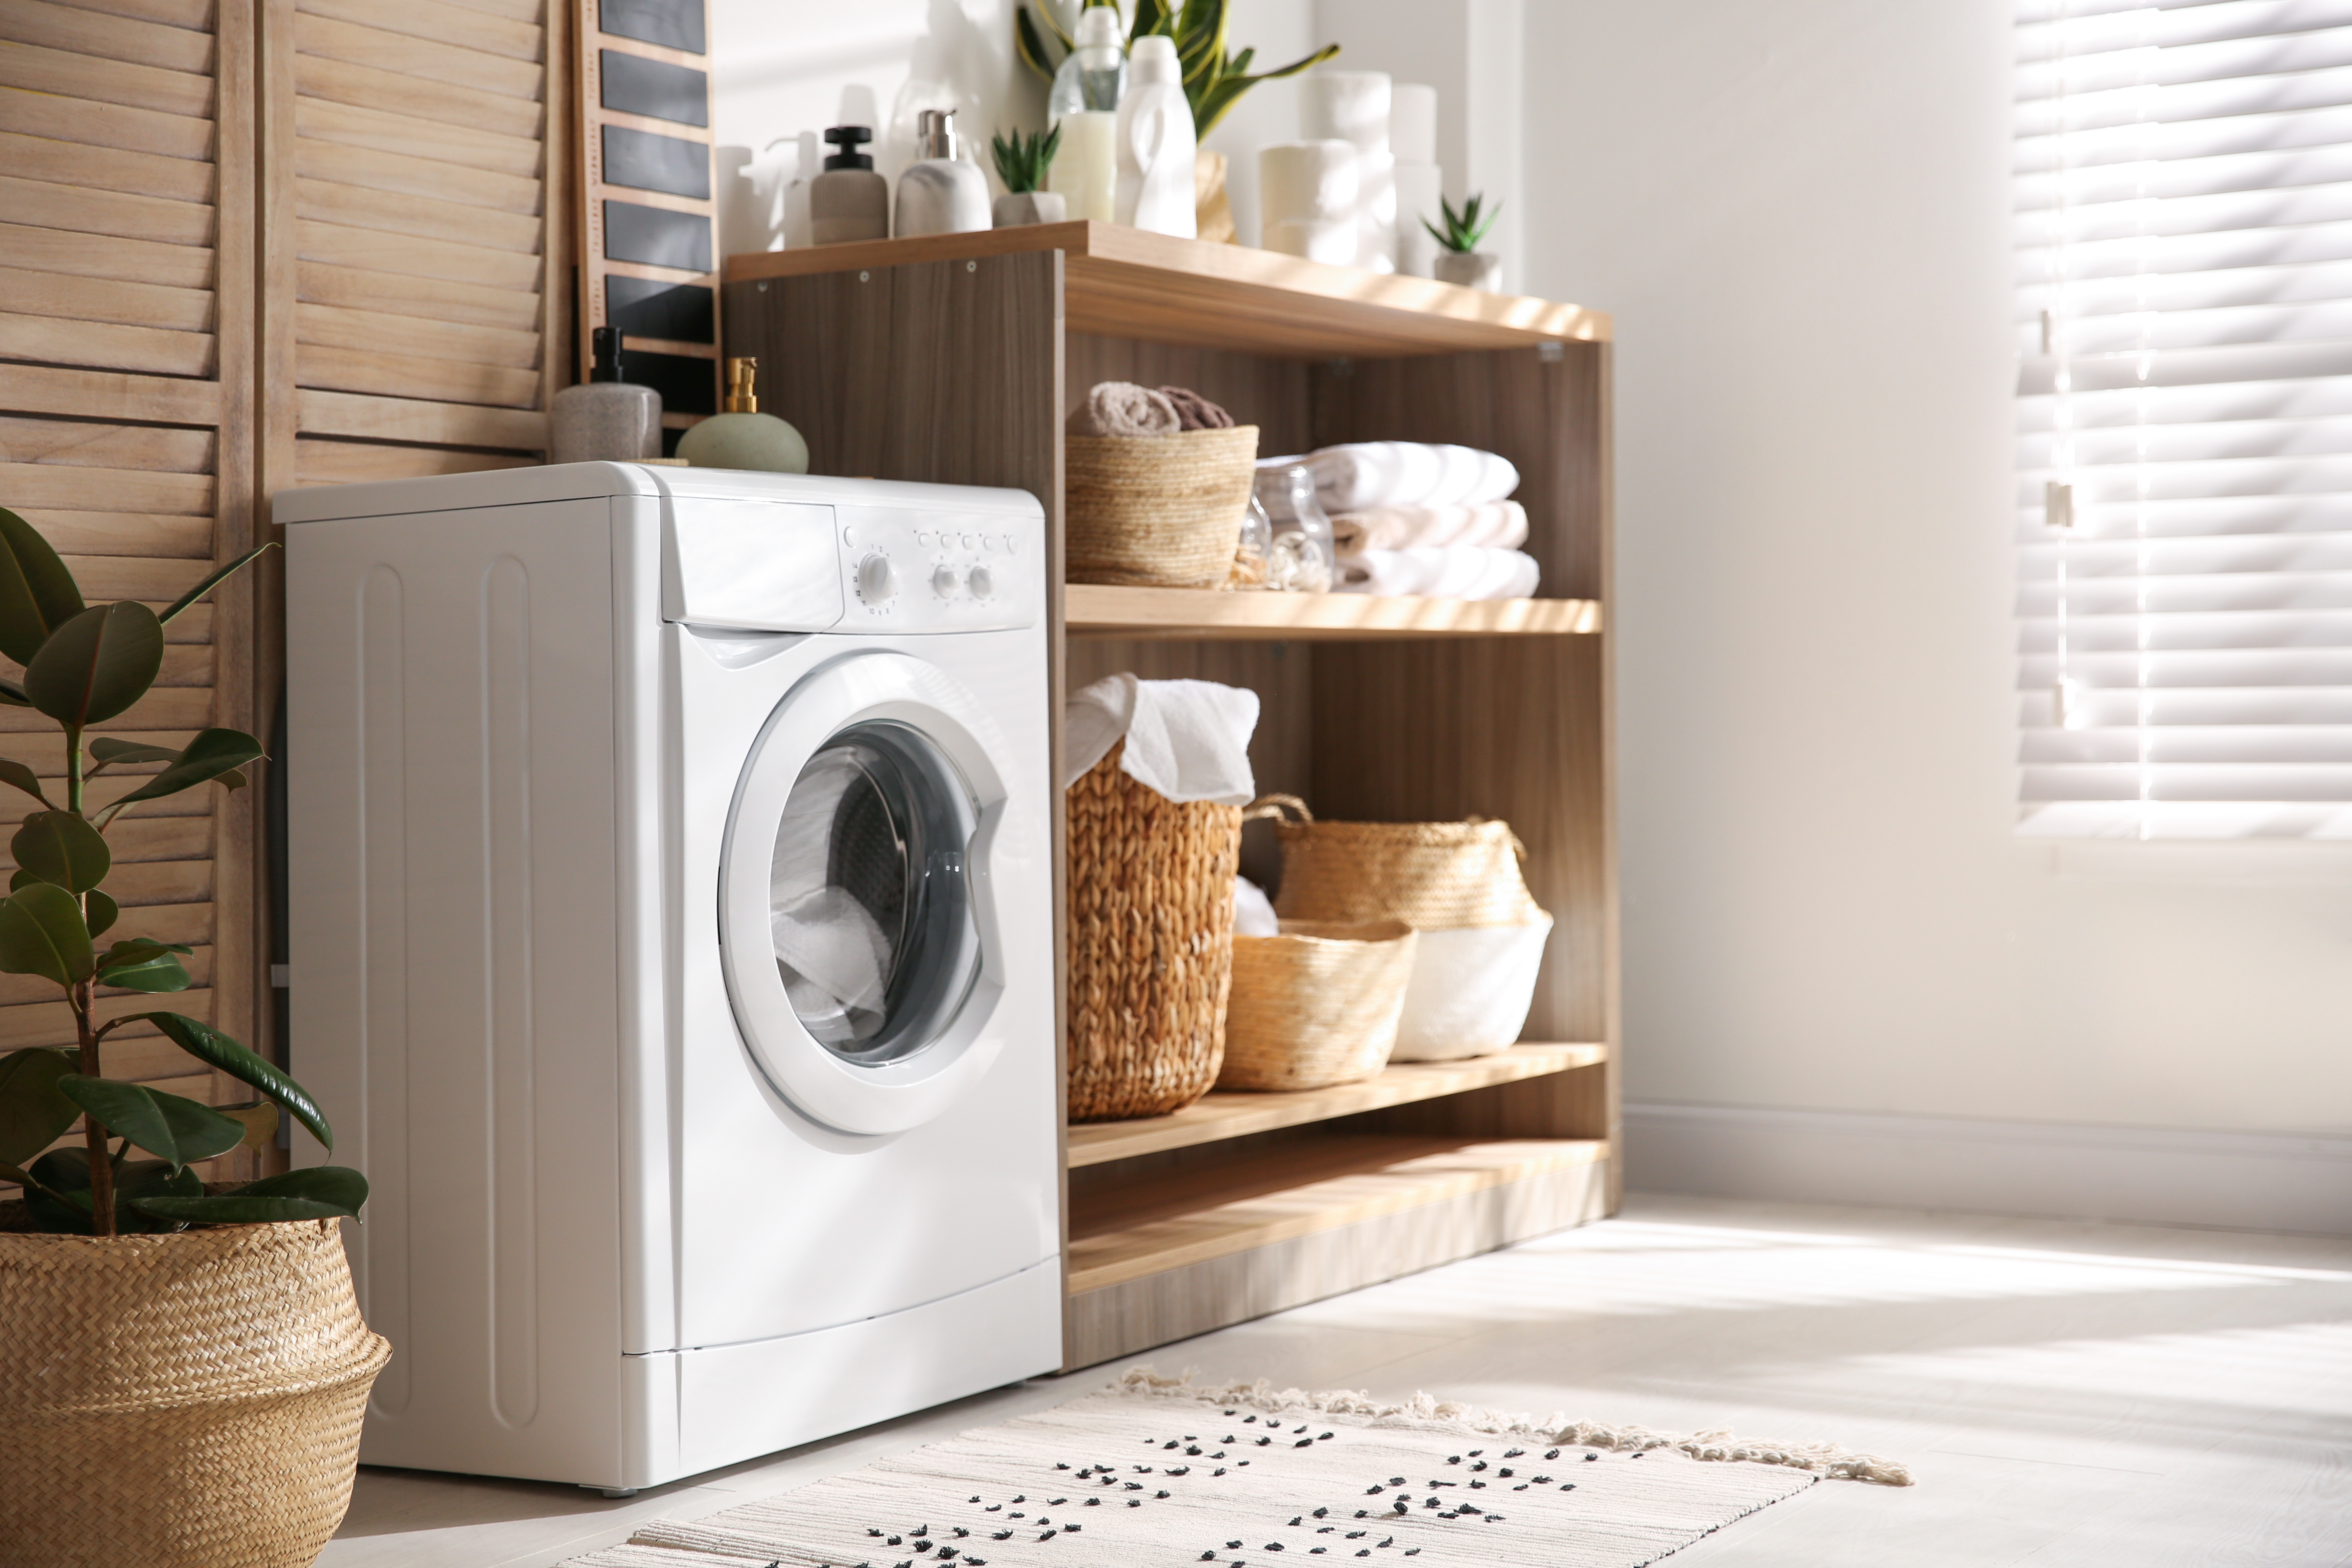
<point x="955" y="359"/>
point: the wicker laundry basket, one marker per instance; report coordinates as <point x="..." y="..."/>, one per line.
<point x="1316" y="1005"/>
<point x="1151" y="945"/>
<point x="179" y="1399"/>
<point x="1155" y="511"/>
<point x="1434" y="876"/>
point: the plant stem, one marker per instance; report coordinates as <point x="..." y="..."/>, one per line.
<point x="73" y="770"/>
<point x="94" y="1136"/>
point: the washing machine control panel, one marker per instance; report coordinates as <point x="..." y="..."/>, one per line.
<point x="939" y="571"/>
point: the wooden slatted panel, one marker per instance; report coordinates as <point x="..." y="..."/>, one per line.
<point x="127" y="214"/>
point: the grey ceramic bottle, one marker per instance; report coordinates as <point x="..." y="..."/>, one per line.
<point x="609" y="420"/>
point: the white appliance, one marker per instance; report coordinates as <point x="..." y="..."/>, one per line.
<point x="673" y="948"/>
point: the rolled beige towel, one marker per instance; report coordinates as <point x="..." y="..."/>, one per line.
<point x="1196" y="411"/>
<point x="1123" y="408"/>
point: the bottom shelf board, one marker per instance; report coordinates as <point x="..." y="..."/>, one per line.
<point x="1130" y="1226"/>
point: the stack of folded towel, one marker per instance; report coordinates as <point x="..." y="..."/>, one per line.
<point x="1413" y="518"/>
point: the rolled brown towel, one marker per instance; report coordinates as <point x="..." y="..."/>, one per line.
<point x="1196" y="411"/>
<point x="1123" y="408"/>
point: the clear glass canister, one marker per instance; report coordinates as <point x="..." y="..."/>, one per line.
<point x="1300" y="558"/>
<point x="1253" y="555"/>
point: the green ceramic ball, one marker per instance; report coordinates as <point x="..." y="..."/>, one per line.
<point x="758" y="441"/>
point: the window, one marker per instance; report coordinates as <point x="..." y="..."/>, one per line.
<point x="2184" y="193"/>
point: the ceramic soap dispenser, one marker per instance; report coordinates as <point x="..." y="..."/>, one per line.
<point x="743" y="438"/>
<point x="608" y="420"/>
<point x="1156" y="144"/>
<point x="939" y="193"/>
<point x="849" y="201"/>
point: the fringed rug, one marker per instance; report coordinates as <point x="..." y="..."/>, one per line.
<point x="1158" y="1473"/>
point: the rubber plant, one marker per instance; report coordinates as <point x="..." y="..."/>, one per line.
<point x="84" y="665"/>
<point x="1215" y="80"/>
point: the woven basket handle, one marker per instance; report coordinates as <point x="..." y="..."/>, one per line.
<point x="1518" y="844"/>
<point x="1270" y="805"/>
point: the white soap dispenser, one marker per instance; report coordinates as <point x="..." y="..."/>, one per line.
<point x="1085" y="104"/>
<point x="941" y="193"/>
<point x="1156" y="144"/>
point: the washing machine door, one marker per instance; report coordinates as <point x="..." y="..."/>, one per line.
<point x="857" y="922"/>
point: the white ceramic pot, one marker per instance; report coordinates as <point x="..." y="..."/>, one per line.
<point x="1470" y="990"/>
<point x="1470" y="268"/>
<point x="1014" y="209"/>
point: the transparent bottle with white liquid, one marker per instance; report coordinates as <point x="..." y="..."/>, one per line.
<point x="1085" y="104"/>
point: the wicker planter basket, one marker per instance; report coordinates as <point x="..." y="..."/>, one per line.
<point x="1151" y="945"/>
<point x="1434" y="876"/>
<point x="186" y="1401"/>
<point x="1316" y="1005"/>
<point x="1155" y="511"/>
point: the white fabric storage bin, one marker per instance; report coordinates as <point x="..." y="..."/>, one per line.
<point x="1470" y="992"/>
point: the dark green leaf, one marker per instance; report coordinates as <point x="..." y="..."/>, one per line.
<point x="64" y="1205"/>
<point x="32" y="1112"/>
<point x="96" y="665"/>
<point x="211" y="755"/>
<point x="37" y="595"/>
<point x="22" y="777"/>
<point x="58" y="1192"/>
<point x="216" y="579"/>
<point x="208" y="1045"/>
<point x="108" y="750"/>
<point x="138" y="950"/>
<point x="41" y="932"/>
<point x="320" y="1191"/>
<point x="1030" y="46"/>
<point x="101" y="912"/>
<point x="59" y="846"/>
<point x="166" y="1125"/>
<point x="154" y="975"/>
<point x="14" y="695"/>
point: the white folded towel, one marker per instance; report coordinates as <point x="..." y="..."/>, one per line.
<point x="1440" y="572"/>
<point x="1497" y="524"/>
<point x="1187" y="738"/>
<point x="1405" y="473"/>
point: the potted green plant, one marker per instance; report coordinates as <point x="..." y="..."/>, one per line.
<point x="1214" y="80"/>
<point x="182" y="1367"/>
<point x="1459" y="259"/>
<point x="1020" y="162"/>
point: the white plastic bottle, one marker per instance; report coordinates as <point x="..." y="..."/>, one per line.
<point x="1085" y="104"/>
<point x="1156" y="144"/>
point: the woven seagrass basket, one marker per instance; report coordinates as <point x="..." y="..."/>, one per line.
<point x="1151" y="945"/>
<point x="179" y="1401"/>
<point x="1434" y="876"/>
<point x="1155" y="511"/>
<point x="1316" y="1005"/>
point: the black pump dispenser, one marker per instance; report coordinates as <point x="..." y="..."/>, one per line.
<point x="847" y="138"/>
<point x="604" y="351"/>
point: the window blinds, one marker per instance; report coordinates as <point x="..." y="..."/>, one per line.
<point x="2184" y="193"/>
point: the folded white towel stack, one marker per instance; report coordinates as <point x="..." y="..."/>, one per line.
<point x="1440" y="572"/>
<point x="1408" y="473"/>
<point x="1187" y="738"/>
<point x="1497" y="524"/>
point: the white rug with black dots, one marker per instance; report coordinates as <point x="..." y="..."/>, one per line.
<point x="1161" y="1473"/>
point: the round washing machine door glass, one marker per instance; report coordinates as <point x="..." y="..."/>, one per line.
<point x="857" y="928"/>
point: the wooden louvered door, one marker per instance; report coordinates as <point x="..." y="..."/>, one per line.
<point x="127" y="206"/>
<point x="415" y="295"/>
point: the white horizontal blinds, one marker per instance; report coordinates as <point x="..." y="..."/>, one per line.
<point x="2184" y="491"/>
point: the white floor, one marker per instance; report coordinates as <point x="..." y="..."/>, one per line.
<point x="2067" y="1394"/>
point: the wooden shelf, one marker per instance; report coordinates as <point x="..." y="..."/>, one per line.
<point x="1220" y="1116"/>
<point x="1091" y="609"/>
<point x="1155" y="1221"/>
<point x="1125" y="283"/>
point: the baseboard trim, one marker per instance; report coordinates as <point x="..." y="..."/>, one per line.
<point x="2255" y="1181"/>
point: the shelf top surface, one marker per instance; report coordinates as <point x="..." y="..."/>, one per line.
<point x="1124" y="283"/>
<point x="1098" y="610"/>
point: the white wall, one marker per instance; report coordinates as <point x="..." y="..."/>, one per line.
<point x="1798" y="214"/>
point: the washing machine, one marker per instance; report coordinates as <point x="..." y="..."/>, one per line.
<point x="672" y="947"/>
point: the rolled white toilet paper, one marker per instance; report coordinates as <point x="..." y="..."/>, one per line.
<point x="1331" y="241"/>
<point x="1307" y="195"/>
<point x="1346" y="105"/>
<point x="1375" y="211"/>
<point x="1418" y="188"/>
<point x="1413" y="122"/>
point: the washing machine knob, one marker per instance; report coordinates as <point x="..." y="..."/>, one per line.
<point x="877" y="578"/>
<point x="981" y="583"/>
<point x="943" y="582"/>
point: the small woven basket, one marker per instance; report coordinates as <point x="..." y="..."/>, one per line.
<point x="1151" y="945"/>
<point x="1155" y="511"/>
<point x="1434" y="876"/>
<point x="1316" y="1005"/>
<point x="179" y="1399"/>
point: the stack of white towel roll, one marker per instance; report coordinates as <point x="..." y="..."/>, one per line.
<point x="1414" y="518"/>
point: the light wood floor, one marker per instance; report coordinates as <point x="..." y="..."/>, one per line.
<point x="2068" y="1394"/>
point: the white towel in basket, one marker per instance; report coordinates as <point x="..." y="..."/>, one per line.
<point x="1187" y="738"/>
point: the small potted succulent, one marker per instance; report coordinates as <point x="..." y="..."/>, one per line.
<point x="1459" y="259"/>
<point x="182" y="1367"/>
<point x="1021" y="163"/>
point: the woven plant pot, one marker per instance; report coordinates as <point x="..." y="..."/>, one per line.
<point x="1151" y="945"/>
<point x="181" y="1401"/>
<point x="1434" y="876"/>
<point x="1155" y="511"/>
<point x="1316" y="1005"/>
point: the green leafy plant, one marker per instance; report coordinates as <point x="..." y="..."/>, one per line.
<point x="1022" y="162"/>
<point x="1464" y="229"/>
<point x="1215" y="80"/>
<point x="84" y="665"/>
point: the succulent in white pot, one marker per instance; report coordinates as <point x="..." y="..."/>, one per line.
<point x="1459" y="259"/>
